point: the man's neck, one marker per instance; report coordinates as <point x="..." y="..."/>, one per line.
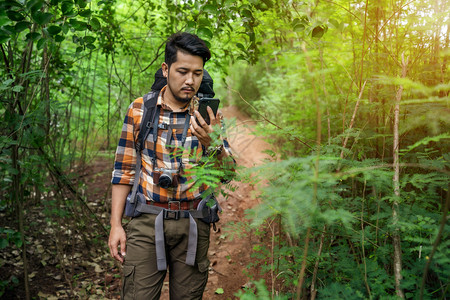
<point x="174" y="104"/>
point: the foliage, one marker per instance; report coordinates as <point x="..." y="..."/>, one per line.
<point x="358" y="227"/>
<point x="337" y="90"/>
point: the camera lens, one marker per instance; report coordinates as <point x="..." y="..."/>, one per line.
<point x="165" y="180"/>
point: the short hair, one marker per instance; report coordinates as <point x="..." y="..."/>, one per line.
<point x="188" y="43"/>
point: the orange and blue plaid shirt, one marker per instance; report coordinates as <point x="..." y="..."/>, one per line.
<point x="167" y="154"/>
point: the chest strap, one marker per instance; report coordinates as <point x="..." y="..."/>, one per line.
<point x="168" y="214"/>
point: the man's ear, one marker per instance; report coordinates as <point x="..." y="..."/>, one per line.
<point x="165" y="69"/>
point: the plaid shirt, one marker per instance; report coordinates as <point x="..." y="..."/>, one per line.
<point x="167" y="154"/>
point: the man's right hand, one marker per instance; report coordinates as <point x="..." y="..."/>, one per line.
<point x="117" y="237"/>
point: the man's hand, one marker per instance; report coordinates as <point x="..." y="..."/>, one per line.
<point x="117" y="237"/>
<point x="202" y="130"/>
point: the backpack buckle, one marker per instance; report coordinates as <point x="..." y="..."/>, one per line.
<point x="163" y="126"/>
<point x="171" y="214"/>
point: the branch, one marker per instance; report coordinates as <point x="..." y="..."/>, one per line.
<point x="117" y="73"/>
<point x="353" y="119"/>
<point x="158" y="54"/>
<point x="267" y="120"/>
<point x="5" y="59"/>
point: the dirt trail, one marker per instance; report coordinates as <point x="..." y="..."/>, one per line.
<point x="230" y="257"/>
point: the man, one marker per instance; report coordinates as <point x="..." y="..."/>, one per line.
<point x="143" y="266"/>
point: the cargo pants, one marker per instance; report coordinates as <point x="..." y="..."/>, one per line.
<point x="141" y="279"/>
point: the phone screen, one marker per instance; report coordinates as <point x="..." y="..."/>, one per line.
<point x="204" y="103"/>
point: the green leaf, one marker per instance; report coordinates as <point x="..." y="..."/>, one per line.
<point x="7" y="82"/>
<point x="4" y="20"/>
<point x="4" y="38"/>
<point x="90" y="46"/>
<point x="79" y="49"/>
<point x="3" y="243"/>
<point x="95" y="24"/>
<point x="334" y="23"/>
<point x="191" y="25"/>
<point x="32" y="36"/>
<point x="268" y="3"/>
<point x="247" y="13"/>
<point x="81" y="3"/>
<point x="65" y="28"/>
<point x="204" y="33"/>
<point x="41" y="43"/>
<point x="78" y="25"/>
<point x="210" y="8"/>
<point x="54" y="29"/>
<point x="17" y="88"/>
<point x="42" y="18"/>
<point x="59" y="38"/>
<point x="21" y="26"/>
<point x="15" y="15"/>
<point x="7" y="30"/>
<point x="67" y="9"/>
<point x="240" y="46"/>
<point x="34" y="5"/>
<point x="298" y="25"/>
<point x="318" y="31"/>
<point x="229" y="3"/>
<point x="17" y="239"/>
<point x="85" y="13"/>
<point x="89" y="39"/>
<point x="219" y="291"/>
<point x="12" y="3"/>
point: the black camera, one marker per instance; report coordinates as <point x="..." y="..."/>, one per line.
<point x="166" y="178"/>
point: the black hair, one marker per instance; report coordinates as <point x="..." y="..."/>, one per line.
<point x="188" y="43"/>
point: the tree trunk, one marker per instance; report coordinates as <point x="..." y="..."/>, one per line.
<point x="396" y="183"/>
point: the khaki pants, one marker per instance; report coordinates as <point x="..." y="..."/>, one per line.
<point x="141" y="278"/>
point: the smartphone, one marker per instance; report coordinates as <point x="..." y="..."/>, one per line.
<point x="205" y="102"/>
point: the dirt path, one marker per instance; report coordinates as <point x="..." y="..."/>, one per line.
<point x="229" y="257"/>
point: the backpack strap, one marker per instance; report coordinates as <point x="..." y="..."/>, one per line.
<point x="148" y="117"/>
<point x="148" y="114"/>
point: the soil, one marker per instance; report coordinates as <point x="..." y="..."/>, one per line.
<point x="97" y="276"/>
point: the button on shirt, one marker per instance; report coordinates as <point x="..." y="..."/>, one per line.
<point x="169" y="153"/>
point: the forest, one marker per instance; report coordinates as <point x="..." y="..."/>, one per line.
<point x="352" y="97"/>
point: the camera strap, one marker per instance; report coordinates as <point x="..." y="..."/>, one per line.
<point x="169" y="127"/>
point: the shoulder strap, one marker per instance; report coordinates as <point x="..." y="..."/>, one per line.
<point x="150" y="100"/>
<point x="148" y="116"/>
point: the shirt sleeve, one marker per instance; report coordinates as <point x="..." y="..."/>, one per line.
<point x="125" y="158"/>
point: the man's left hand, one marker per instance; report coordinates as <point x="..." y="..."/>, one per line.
<point x="201" y="129"/>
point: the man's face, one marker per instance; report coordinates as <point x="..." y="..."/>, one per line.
<point x="184" y="76"/>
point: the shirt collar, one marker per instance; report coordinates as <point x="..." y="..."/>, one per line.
<point x="190" y="106"/>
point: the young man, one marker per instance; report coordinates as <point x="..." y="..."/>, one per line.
<point x="143" y="255"/>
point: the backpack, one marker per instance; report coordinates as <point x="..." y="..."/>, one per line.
<point x="147" y="124"/>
